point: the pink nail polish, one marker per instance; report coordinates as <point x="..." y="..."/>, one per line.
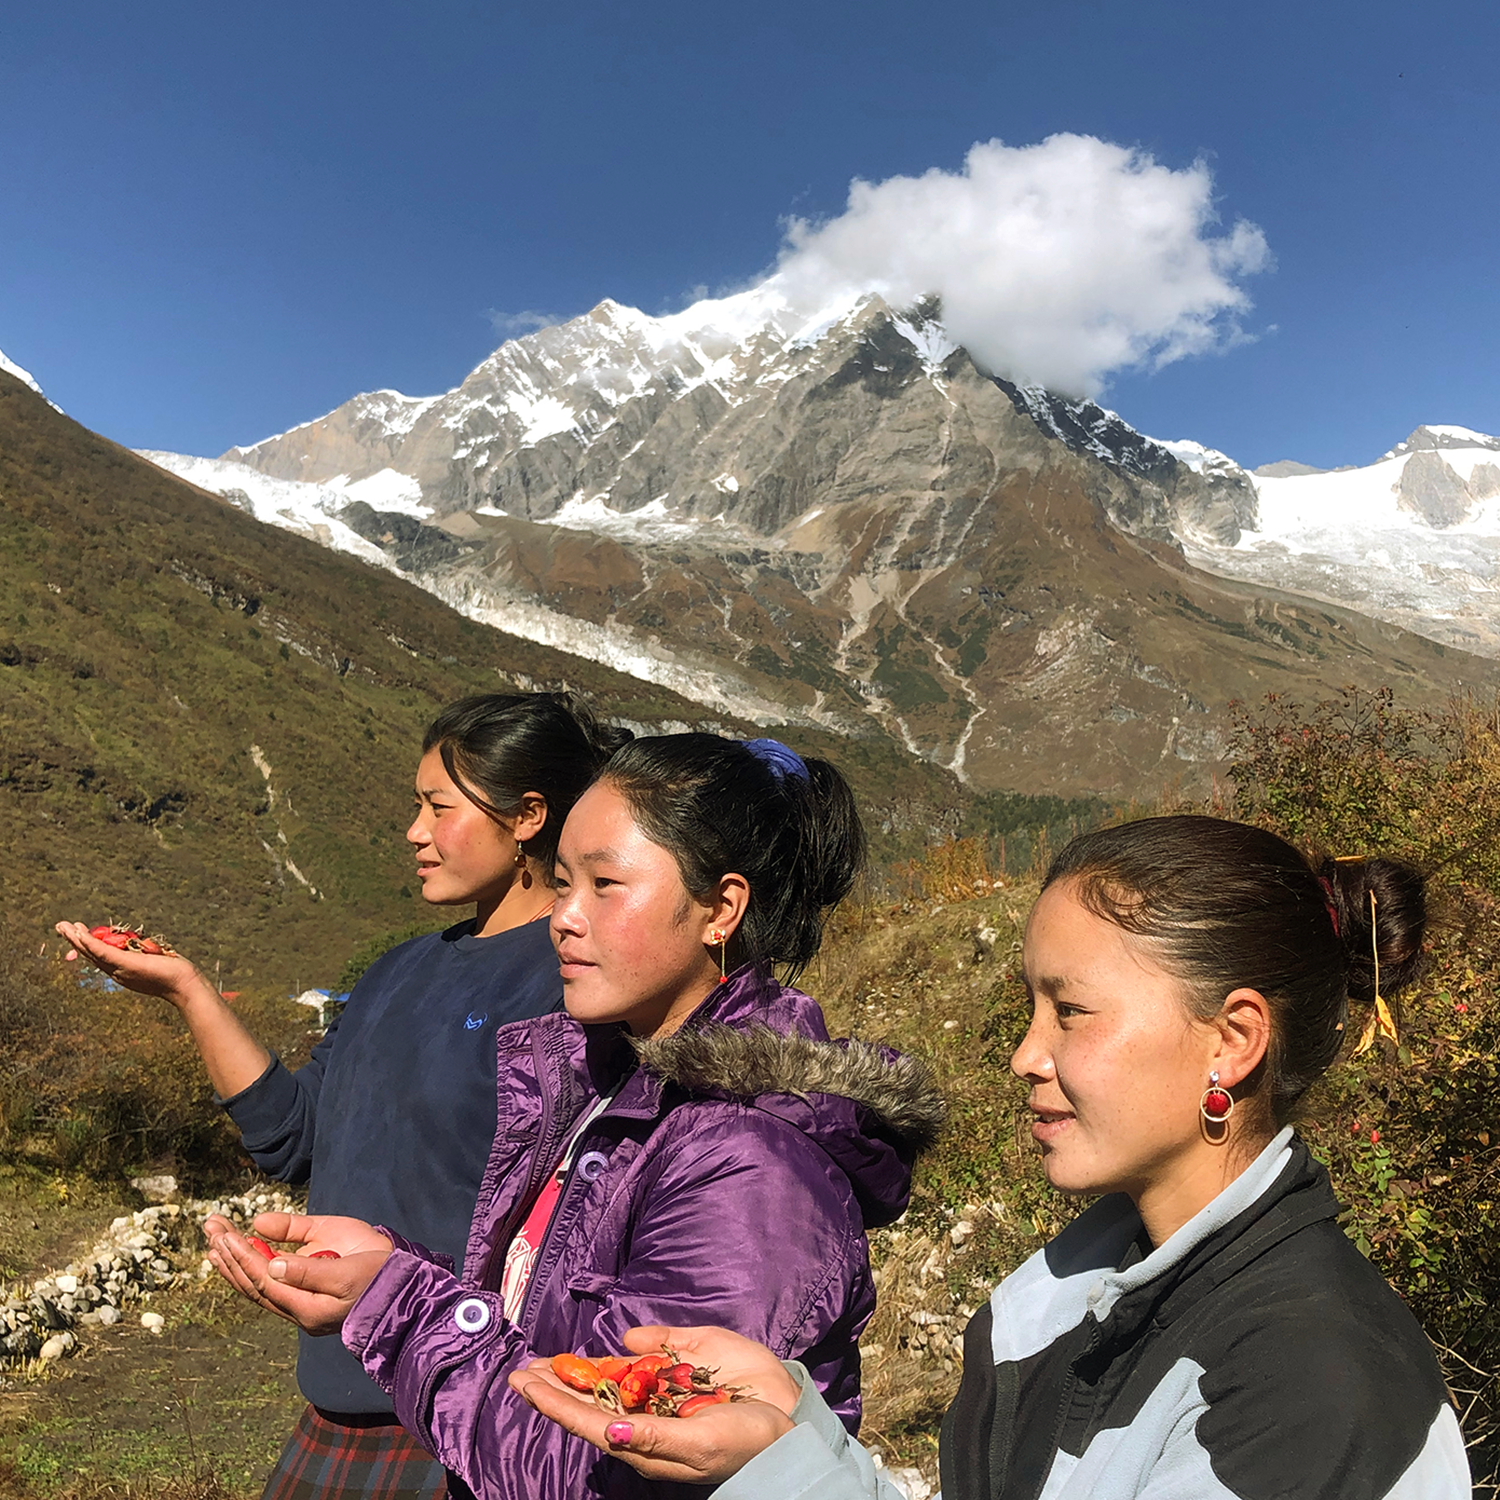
<point x="620" y="1433"/>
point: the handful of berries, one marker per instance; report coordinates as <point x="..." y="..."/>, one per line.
<point x="134" y="942"/>
<point x="262" y="1248"/>
<point x="660" y="1384"/>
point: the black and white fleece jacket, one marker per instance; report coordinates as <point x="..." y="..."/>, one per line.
<point x="1256" y="1354"/>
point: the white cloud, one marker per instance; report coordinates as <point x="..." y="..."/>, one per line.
<point x="1056" y="263"/>
<point x="510" y="325"/>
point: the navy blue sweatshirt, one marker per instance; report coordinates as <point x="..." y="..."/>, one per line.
<point x="392" y="1117"/>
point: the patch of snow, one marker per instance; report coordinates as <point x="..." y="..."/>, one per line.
<point x="544" y="417"/>
<point x="24" y="376"/>
<point x="1442" y="439"/>
<point x="1197" y="457"/>
<point x="310" y="510"/>
<point x="1341" y="512"/>
<point x="930" y="339"/>
<point x="399" y="413"/>
<point x="1345" y="536"/>
<point x="727" y="484"/>
<point x="1462" y="434"/>
<point x="387" y="490"/>
<point x="594" y="513"/>
<point x="612" y="646"/>
<point x="396" y="413"/>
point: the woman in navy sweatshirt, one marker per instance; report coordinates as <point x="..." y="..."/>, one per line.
<point x="391" y="1118"/>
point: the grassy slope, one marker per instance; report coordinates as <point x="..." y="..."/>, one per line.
<point x="155" y="641"/>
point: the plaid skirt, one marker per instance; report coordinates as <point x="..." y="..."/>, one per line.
<point x="324" y="1458"/>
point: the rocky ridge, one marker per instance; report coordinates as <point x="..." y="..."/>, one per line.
<point x="834" y="517"/>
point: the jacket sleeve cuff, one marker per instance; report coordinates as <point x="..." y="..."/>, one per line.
<point x="815" y="1459"/>
<point x="262" y="1108"/>
<point x="799" y="1466"/>
<point x="414" y="1321"/>
<point x="411" y="1247"/>
<point x="812" y="1411"/>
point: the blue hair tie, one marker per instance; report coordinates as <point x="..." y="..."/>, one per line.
<point x="780" y="760"/>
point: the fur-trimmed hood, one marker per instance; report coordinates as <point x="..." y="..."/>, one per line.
<point x="869" y="1109"/>
<point x="744" y="1064"/>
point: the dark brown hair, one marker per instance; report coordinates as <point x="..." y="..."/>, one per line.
<point x="499" y="746"/>
<point x="716" y="807"/>
<point x="1229" y="906"/>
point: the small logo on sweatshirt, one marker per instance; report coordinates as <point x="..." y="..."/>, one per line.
<point x="475" y="1019"/>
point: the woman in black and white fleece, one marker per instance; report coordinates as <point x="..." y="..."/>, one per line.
<point x="1205" y="1331"/>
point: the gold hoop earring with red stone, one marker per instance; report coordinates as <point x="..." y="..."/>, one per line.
<point x="1217" y="1104"/>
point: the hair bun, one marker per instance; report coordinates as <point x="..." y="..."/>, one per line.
<point x="603" y="738"/>
<point x="1391" y="925"/>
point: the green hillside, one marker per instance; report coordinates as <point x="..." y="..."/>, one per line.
<point x="208" y="726"/>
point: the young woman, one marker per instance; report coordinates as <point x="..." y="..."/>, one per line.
<point x="392" y="1116"/>
<point x="1205" y="1330"/>
<point x="685" y="1141"/>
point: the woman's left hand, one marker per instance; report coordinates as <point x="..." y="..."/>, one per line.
<point x="706" y="1448"/>
<point x="309" y="1288"/>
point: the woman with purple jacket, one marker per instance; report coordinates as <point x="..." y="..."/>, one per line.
<point x="684" y="1146"/>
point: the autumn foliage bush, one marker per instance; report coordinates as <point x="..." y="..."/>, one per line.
<point x="1411" y="1129"/>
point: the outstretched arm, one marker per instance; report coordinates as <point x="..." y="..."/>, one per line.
<point x="233" y="1057"/>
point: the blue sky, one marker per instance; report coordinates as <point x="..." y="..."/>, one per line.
<point x="215" y="224"/>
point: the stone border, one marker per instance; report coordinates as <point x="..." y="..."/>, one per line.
<point x="141" y="1253"/>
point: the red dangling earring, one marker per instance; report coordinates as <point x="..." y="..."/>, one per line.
<point x="521" y="865"/>
<point x="1217" y="1104"/>
<point x="723" y="942"/>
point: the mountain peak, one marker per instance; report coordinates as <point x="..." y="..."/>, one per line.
<point x="1433" y="439"/>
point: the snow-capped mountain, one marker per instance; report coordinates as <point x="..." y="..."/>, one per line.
<point x="566" y="424"/>
<point x="1413" y="538"/>
<point x="827" y="515"/>
<point x="310" y="510"/>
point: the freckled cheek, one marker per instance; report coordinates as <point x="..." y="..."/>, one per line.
<point x="625" y="935"/>
<point x="1101" y="1077"/>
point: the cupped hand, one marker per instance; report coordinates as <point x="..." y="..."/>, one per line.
<point x="304" y="1287"/>
<point x="169" y="975"/>
<point x="706" y="1448"/>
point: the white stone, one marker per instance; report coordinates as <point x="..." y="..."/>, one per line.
<point x="154" y="1321"/>
<point x="68" y="1284"/>
<point x="55" y="1347"/>
<point x="157" y="1189"/>
<point x="960" y="1232"/>
<point x="910" y="1483"/>
<point x="109" y="1315"/>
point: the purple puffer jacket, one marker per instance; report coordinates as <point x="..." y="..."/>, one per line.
<point x="729" y="1182"/>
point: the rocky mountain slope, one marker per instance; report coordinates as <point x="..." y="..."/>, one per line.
<point x="210" y="726"/>
<point x="1413" y="538"/>
<point x="833" y="515"/>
